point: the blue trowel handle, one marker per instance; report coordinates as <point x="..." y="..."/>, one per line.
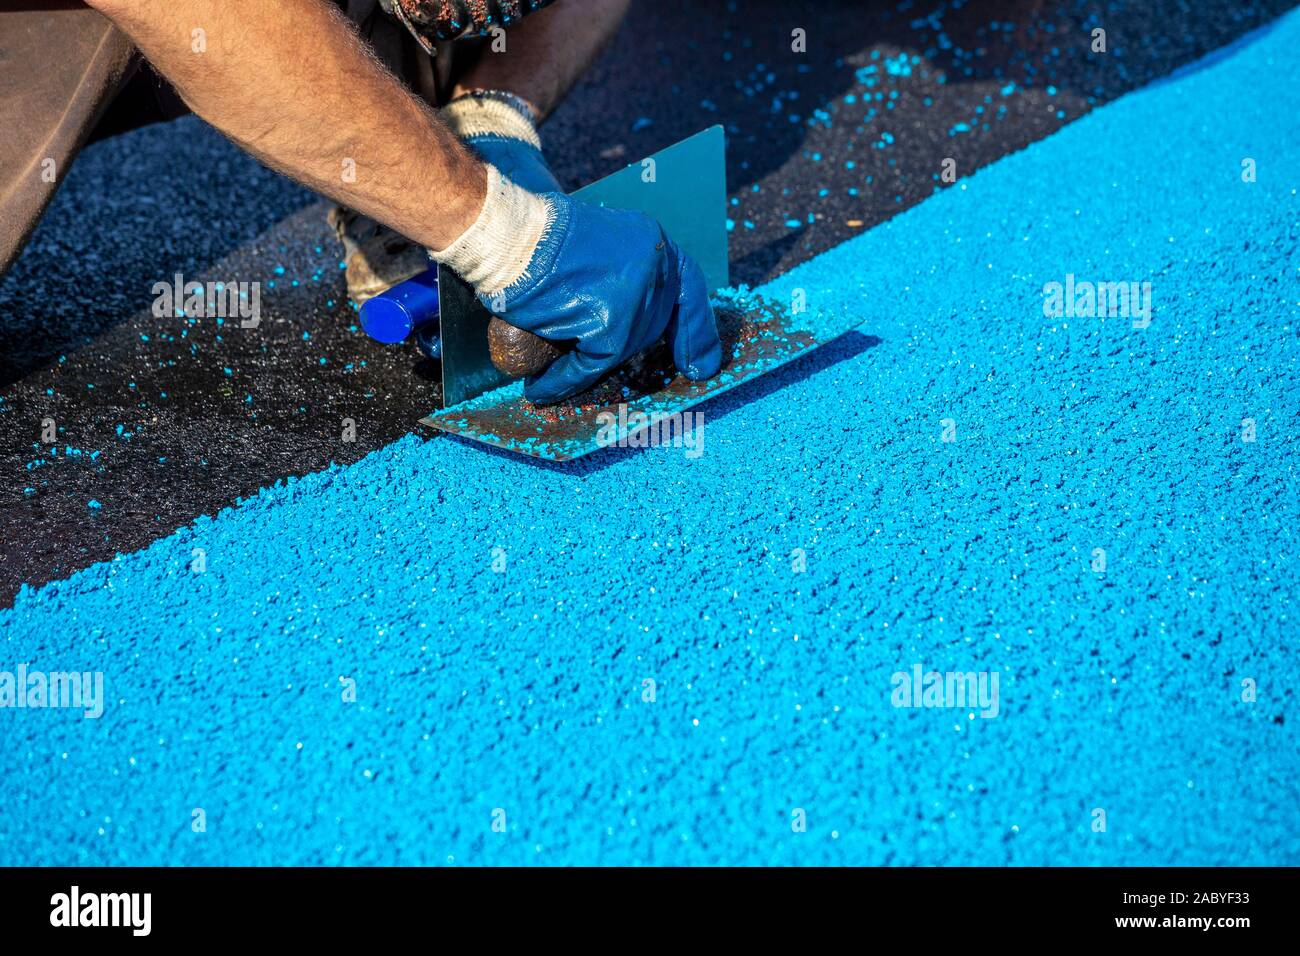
<point x="407" y="307"/>
<point x="411" y="307"/>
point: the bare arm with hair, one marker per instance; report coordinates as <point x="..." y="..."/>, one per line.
<point x="291" y="83"/>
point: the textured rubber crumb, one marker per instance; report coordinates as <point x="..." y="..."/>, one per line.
<point x="500" y="617"/>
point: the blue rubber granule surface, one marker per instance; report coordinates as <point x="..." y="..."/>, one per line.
<point x="499" y="617"/>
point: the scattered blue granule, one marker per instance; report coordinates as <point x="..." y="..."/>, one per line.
<point x="643" y="122"/>
<point x="93" y="505"/>
<point x="901" y="65"/>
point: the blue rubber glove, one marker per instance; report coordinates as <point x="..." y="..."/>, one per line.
<point x="612" y="280"/>
<point x="521" y="162"/>
<point x="503" y="134"/>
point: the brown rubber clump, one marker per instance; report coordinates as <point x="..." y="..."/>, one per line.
<point x="517" y="352"/>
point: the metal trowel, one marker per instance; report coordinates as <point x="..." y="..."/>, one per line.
<point x="684" y="188"/>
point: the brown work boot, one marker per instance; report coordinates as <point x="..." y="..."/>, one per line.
<point x="377" y="257"/>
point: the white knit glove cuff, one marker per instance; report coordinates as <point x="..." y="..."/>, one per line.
<point x="478" y="116"/>
<point x="494" y="252"/>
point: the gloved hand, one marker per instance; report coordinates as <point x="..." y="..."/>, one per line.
<point x="613" y="280"/>
<point x="609" y="278"/>
<point x="504" y="136"/>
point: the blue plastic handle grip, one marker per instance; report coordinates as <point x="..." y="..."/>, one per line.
<point x="405" y="308"/>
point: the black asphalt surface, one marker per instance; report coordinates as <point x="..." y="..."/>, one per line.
<point x="161" y="419"/>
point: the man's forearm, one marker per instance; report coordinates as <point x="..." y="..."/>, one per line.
<point x="290" y="82"/>
<point x="546" y="52"/>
